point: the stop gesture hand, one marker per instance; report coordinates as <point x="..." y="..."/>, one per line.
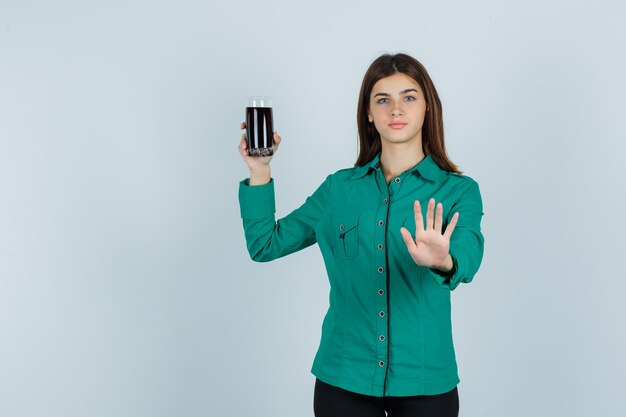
<point x="430" y="247"/>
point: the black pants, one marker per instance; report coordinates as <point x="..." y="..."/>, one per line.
<point x="331" y="401"/>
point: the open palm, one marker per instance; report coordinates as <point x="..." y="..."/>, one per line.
<point x="430" y="247"/>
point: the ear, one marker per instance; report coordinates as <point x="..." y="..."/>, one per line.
<point x="369" y="117"/>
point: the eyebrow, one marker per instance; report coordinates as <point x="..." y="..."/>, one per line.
<point x="401" y="92"/>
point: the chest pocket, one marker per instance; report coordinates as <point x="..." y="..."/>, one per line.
<point x="345" y="235"/>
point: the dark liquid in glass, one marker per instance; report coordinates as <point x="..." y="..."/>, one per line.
<point x="260" y="131"/>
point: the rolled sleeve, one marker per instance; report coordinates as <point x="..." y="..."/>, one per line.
<point x="467" y="241"/>
<point x="267" y="238"/>
<point x="256" y="201"/>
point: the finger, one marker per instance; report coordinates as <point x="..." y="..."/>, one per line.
<point x="438" y="217"/>
<point x="419" y="220"/>
<point x="429" y="214"/>
<point x="451" y="225"/>
<point x="243" y="125"/>
<point x="243" y="145"/>
<point x="408" y="240"/>
<point x="277" y="140"/>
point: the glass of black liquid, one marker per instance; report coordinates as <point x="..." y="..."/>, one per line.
<point x="259" y="126"/>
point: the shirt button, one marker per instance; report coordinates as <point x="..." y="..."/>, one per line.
<point x="397" y="180"/>
<point x="381" y="363"/>
<point x="381" y="292"/>
<point x="381" y="338"/>
<point x="380" y="269"/>
<point x="381" y="314"/>
<point x="385" y="201"/>
<point x="380" y="246"/>
<point x="341" y="227"/>
<point x="380" y="222"/>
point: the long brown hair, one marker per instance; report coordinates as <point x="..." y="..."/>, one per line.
<point x="432" y="130"/>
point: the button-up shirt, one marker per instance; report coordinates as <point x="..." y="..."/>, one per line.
<point x="388" y="328"/>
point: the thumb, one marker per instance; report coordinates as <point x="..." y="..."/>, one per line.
<point x="277" y="140"/>
<point x="408" y="239"/>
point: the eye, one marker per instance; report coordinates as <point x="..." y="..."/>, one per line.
<point x="380" y="101"/>
<point x="410" y="98"/>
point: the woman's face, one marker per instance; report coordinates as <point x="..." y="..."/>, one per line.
<point x="397" y="108"/>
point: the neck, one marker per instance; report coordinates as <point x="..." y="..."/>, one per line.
<point x="399" y="157"/>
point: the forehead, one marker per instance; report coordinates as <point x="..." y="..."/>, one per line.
<point x="394" y="84"/>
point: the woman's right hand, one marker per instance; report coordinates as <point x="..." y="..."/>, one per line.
<point x="256" y="163"/>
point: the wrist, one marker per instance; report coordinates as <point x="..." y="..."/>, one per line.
<point x="260" y="176"/>
<point x="447" y="265"/>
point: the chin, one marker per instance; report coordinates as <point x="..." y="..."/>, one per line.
<point x="397" y="141"/>
<point x="400" y="138"/>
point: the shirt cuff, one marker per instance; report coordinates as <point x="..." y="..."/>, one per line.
<point x="256" y="201"/>
<point x="445" y="278"/>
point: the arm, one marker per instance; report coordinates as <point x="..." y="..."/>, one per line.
<point x="466" y="242"/>
<point x="268" y="239"/>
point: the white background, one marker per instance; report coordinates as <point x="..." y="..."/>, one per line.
<point x="125" y="285"/>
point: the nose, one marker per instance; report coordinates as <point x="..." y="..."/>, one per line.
<point x="396" y="111"/>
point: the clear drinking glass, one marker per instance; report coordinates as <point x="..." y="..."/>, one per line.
<point x="260" y="126"/>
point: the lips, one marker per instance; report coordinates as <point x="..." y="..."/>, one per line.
<point x="397" y="125"/>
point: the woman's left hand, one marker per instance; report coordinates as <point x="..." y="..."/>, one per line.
<point x="430" y="247"/>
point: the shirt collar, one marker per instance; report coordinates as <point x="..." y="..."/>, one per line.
<point x="360" y="171"/>
<point x="427" y="168"/>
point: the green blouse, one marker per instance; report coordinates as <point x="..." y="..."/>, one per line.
<point x="388" y="329"/>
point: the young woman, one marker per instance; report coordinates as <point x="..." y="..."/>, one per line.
<point x="386" y="344"/>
